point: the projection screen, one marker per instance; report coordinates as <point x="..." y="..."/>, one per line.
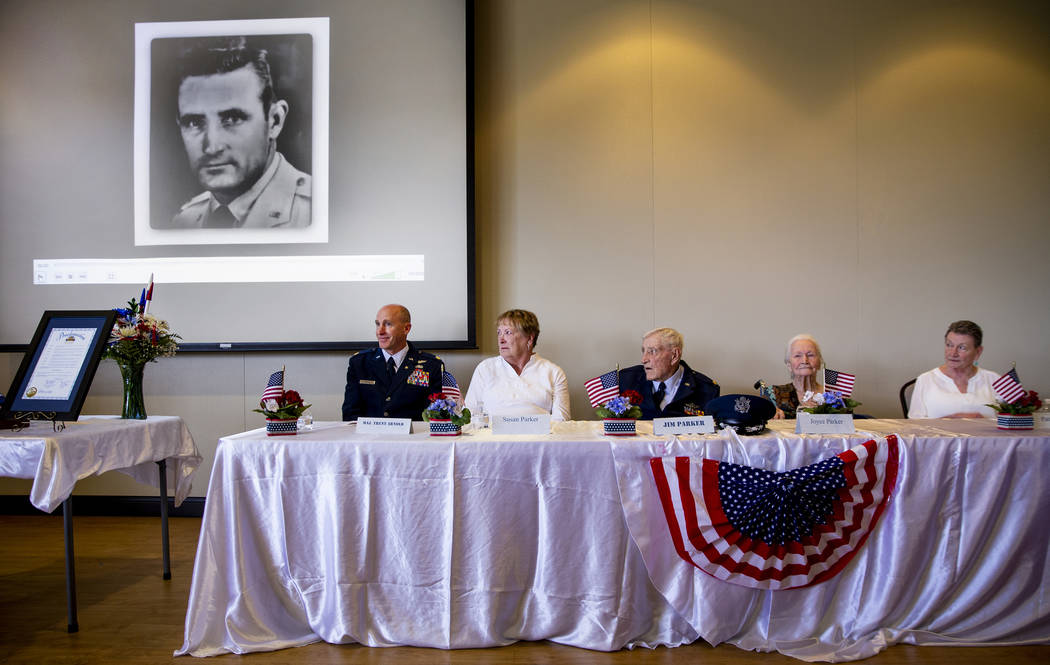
<point x="112" y="171"/>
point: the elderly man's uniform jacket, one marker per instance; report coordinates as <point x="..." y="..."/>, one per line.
<point x="284" y="202"/>
<point x="371" y="392"/>
<point x="694" y="392"/>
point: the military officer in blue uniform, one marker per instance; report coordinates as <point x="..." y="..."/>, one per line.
<point x="669" y="387"/>
<point x="394" y="379"/>
<point x="229" y="117"/>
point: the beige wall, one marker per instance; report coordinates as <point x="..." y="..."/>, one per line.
<point x="865" y="171"/>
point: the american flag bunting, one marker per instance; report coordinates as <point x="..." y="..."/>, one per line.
<point x="776" y="530"/>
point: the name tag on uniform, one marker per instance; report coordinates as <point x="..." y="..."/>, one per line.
<point x="367" y="382"/>
<point x="384" y="425"/>
<point x="688" y="425"/>
<point x="539" y="423"/>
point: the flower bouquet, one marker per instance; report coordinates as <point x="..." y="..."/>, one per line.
<point x="282" y="409"/>
<point x="445" y="416"/>
<point x="1017" y="414"/>
<point x="831" y="401"/>
<point x="136" y="339"/>
<point x="620" y="413"/>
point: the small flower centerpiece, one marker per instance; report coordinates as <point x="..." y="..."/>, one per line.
<point x="445" y="416"/>
<point x="281" y="407"/>
<point x="620" y="413"/>
<point x="136" y="339"/>
<point x="1019" y="413"/>
<point x="831" y="401"/>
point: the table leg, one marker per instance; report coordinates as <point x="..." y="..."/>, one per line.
<point x="165" y="551"/>
<point x="71" y="579"/>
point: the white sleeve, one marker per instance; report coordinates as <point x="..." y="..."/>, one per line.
<point x="475" y="392"/>
<point x="560" y="407"/>
<point x="917" y="406"/>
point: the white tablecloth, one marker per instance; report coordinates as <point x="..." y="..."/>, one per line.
<point x="482" y="540"/>
<point x="91" y="446"/>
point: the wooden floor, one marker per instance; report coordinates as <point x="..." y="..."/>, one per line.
<point x="130" y="616"/>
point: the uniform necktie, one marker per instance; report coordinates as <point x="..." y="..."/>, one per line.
<point x="220" y="218"/>
<point x="391" y="368"/>
<point x="658" y="396"/>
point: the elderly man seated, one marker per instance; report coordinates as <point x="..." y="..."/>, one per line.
<point x="669" y="387"/>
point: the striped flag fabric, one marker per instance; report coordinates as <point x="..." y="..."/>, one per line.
<point x="148" y="297"/>
<point x="1008" y="387"/>
<point x="776" y="530"/>
<point x="603" y="388"/>
<point x="274" y="386"/>
<point x="449" y="387"/>
<point x="841" y="382"/>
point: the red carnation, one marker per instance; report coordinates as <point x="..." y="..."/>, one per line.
<point x="436" y="396"/>
<point x="1031" y="398"/>
<point x="292" y="397"/>
<point x="634" y="396"/>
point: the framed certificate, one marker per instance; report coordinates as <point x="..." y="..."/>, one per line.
<point x="56" y="371"/>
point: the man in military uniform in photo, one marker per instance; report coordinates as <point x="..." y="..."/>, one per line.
<point x="669" y="387"/>
<point x="230" y="117"/>
<point x="394" y="379"/>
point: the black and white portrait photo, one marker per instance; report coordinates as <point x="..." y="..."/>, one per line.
<point x="233" y="121"/>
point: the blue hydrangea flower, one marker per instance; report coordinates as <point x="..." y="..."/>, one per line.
<point x="618" y="405"/>
<point x="833" y="399"/>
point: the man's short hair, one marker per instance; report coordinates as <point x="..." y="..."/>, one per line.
<point x="523" y="320"/>
<point x="221" y="55"/>
<point x="669" y="338"/>
<point x="965" y="327"/>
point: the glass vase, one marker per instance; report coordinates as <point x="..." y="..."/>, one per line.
<point x="134" y="404"/>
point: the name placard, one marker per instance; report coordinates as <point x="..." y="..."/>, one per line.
<point x="687" y="425"/>
<point x="531" y="424"/>
<point x="824" y="423"/>
<point x="384" y="425"/>
<point x="1041" y="420"/>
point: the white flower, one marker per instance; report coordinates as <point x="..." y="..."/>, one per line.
<point x="271" y="405"/>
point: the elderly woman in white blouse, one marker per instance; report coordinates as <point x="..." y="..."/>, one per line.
<point x="958" y="388"/>
<point x="518" y="381"/>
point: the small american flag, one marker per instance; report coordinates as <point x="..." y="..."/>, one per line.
<point x="603" y="388"/>
<point x="449" y="387"/>
<point x="148" y="298"/>
<point x="839" y="381"/>
<point x="275" y="386"/>
<point x="1008" y="387"/>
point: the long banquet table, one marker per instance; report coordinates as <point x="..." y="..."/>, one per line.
<point x="483" y="540"/>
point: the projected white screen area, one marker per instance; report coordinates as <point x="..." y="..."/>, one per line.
<point x="101" y="188"/>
